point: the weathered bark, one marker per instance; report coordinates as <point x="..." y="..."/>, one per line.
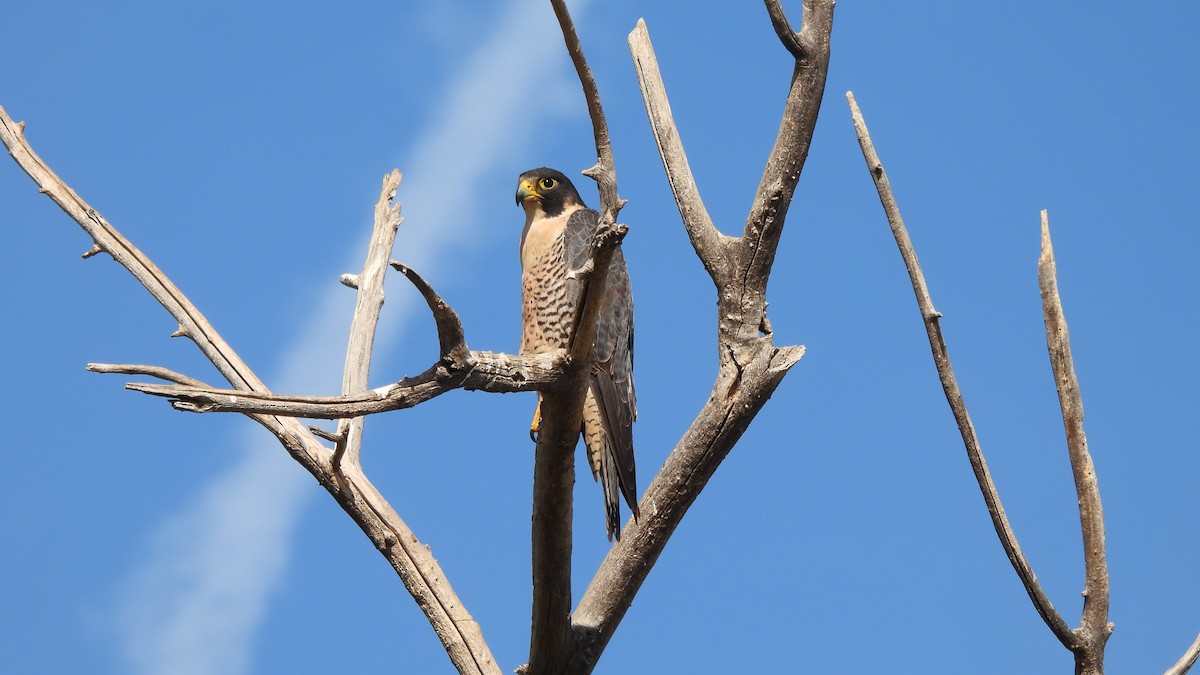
<point x="1086" y="642"/>
<point x="750" y="368"/>
<point x="413" y="562"/>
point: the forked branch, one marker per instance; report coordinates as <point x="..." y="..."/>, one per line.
<point x="368" y="304"/>
<point x="751" y="366"/>
<point x="413" y="562"/>
<point x="108" y="240"/>
<point x="1086" y="642"/>
<point x="958" y="407"/>
<point x="764" y="224"/>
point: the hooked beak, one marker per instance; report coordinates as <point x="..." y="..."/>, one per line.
<point x="526" y="191"/>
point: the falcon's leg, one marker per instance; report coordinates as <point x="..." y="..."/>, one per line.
<point x="535" y="427"/>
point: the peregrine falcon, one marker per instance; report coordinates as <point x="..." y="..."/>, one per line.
<point x="556" y="239"/>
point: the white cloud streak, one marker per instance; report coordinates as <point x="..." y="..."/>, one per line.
<point x="194" y="605"/>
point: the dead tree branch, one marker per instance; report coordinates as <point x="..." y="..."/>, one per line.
<point x="750" y="365"/>
<point x="1094" y="629"/>
<point x="151" y="371"/>
<point x="192" y="323"/>
<point x="368" y="304"/>
<point x="550" y="641"/>
<point x="413" y="562"/>
<point x="712" y="247"/>
<point x="1185" y="662"/>
<point x="750" y="369"/>
<point x="941" y="359"/>
<point x="1086" y="642"/>
<point x="456" y="368"/>
<point x="475" y="371"/>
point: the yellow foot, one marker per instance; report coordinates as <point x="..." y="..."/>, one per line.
<point x="535" y="427"/>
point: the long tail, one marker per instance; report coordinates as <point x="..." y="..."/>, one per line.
<point x="608" y="433"/>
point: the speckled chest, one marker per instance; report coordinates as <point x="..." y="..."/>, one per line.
<point x="547" y="309"/>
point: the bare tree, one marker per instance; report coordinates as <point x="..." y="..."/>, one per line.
<point x="750" y="367"/>
<point x="566" y="639"/>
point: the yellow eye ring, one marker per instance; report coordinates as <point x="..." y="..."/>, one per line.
<point x="547" y="183"/>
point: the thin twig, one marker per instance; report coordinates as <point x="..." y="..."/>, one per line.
<point x="1094" y="628"/>
<point x="604" y="172"/>
<point x="367" y="306"/>
<point x="151" y="371"/>
<point x="958" y="407"/>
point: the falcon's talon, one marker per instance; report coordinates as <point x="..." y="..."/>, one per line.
<point x="535" y="427"/>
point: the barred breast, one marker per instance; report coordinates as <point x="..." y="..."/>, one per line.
<point x="547" y="310"/>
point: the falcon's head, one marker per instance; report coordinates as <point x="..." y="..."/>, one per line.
<point x="546" y="190"/>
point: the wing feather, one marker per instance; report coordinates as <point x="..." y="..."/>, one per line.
<point x="609" y="437"/>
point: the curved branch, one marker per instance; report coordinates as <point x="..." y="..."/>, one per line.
<point x="452" y="341"/>
<point x="941" y="359"/>
<point x="750" y="366"/>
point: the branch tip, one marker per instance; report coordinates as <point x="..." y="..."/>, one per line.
<point x="701" y="231"/>
<point x="331" y="436"/>
<point x="92" y="251"/>
<point x="349" y="280"/>
<point x="452" y="341"/>
<point x="1095" y="627"/>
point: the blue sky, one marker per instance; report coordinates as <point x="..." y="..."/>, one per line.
<point x="242" y="147"/>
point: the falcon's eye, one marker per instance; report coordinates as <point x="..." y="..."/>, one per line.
<point x="547" y="183"/>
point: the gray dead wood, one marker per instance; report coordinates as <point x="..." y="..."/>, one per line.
<point x="413" y="562"/>
<point x="750" y="367"/>
<point x="1086" y="642"/>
